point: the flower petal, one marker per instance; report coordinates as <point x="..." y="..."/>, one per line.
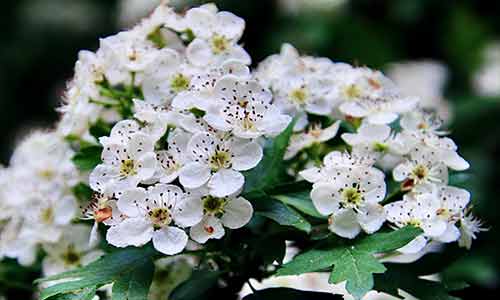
<point x="238" y="212"/>
<point x="131" y="232"/>
<point x="225" y="182"/>
<point x="170" y="240"/>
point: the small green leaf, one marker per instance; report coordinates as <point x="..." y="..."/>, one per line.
<point x="114" y="267"/>
<point x="85" y="294"/>
<point x="82" y="192"/>
<point x="301" y="201"/>
<point x="290" y="294"/>
<point x="270" y="169"/>
<point x="388" y="241"/>
<point x="196" y="286"/>
<point x="134" y="285"/>
<point x="281" y="213"/>
<point x="88" y="157"/>
<point x="99" y="129"/>
<point x="310" y="261"/>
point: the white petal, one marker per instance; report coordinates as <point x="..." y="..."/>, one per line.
<point x="94" y="236"/>
<point x="140" y="144"/>
<point x="345" y="224"/>
<point x="131" y="232"/>
<point x="225" y="182"/>
<point x="129" y="201"/>
<point x="146" y="166"/>
<point x="371" y="217"/>
<point x="454" y="161"/>
<point x="382" y="118"/>
<point x="312" y="174"/>
<point x="322" y="196"/>
<point x="229" y="25"/>
<point x="401" y="171"/>
<point x="246" y="155"/>
<point x="194" y="175"/>
<point x="189" y="211"/>
<point x="434" y="228"/>
<point x="170" y="240"/>
<point x="451" y="234"/>
<point x="209" y="228"/>
<point x="414" y="246"/>
<point x="65" y="209"/>
<point x="237" y="213"/>
<point x="101" y="177"/>
<point x="199" y="53"/>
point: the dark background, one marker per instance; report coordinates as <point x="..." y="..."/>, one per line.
<point x="40" y="39"/>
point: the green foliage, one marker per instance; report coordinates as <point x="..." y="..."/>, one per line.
<point x="99" y="129"/>
<point x="281" y="213"/>
<point x="353" y="261"/>
<point x="301" y="201"/>
<point x="270" y="170"/>
<point x="196" y="286"/>
<point x="130" y="269"/>
<point x="84" y="294"/>
<point x="82" y="192"/>
<point x="88" y="157"/>
<point x="289" y="294"/>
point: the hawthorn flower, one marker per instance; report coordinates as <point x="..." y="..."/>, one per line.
<point x="313" y="135"/>
<point x="219" y="212"/>
<point x="349" y="194"/>
<point x="423" y="167"/>
<point x="124" y="165"/>
<point x="101" y="209"/>
<point x="172" y="160"/>
<point x="245" y="109"/>
<point x="71" y="251"/>
<point x="156" y="213"/>
<point x="469" y="227"/>
<point x="379" y="141"/>
<point x="216" y="160"/>
<point x="216" y="37"/>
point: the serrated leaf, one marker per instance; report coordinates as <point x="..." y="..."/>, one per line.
<point x="281" y="213"/>
<point x="196" y="286"/>
<point x="113" y="267"/>
<point x="301" y="201"/>
<point x="88" y="157"/>
<point x="270" y="169"/>
<point x="353" y="261"/>
<point x="289" y="294"/>
<point x="134" y="285"/>
<point x="85" y="294"/>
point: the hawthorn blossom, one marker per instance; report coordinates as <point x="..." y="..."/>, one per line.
<point x="216" y="160"/>
<point x="172" y="160"/>
<point x="313" y="135"/>
<point x="219" y="212"/>
<point x="157" y="213"/>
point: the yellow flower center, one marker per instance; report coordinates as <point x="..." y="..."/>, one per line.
<point x="213" y="205"/>
<point x="420" y="172"/>
<point x="221" y="159"/>
<point x="127" y="168"/>
<point x="160" y="217"/>
<point x="380" y="147"/>
<point x="219" y="44"/>
<point x="299" y="95"/>
<point x="352" y="91"/>
<point x="47" y="215"/>
<point x="351" y="196"/>
<point x="71" y="257"/>
<point x="179" y="83"/>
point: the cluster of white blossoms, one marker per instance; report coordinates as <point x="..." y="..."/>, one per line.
<point x="188" y="117"/>
<point x="37" y="206"/>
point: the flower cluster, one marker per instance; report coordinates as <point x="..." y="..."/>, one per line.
<point x="38" y="206"/>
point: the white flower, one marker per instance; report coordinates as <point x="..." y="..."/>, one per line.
<point x="219" y="212"/>
<point x="154" y="119"/>
<point x="216" y="160"/>
<point x="313" y="135"/>
<point x="217" y="35"/>
<point x="350" y="195"/>
<point x="452" y="203"/>
<point x="70" y="252"/>
<point x="423" y="167"/>
<point x="469" y="227"/>
<point x="171" y="160"/>
<point x="152" y="214"/>
<point x="445" y="150"/>
<point x="124" y="165"/>
<point x="378" y="140"/>
<point x="244" y="108"/>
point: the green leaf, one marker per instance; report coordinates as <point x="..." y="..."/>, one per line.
<point x="99" y="129"/>
<point x="82" y="192"/>
<point x="85" y="294"/>
<point x="196" y="286"/>
<point x="301" y="201"/>
<point x="134" y="285"/>
<point x="353" y="261"/>
<point x="270" y="169"/>
<point x="88" y="157"/>
<point x="129" y="268"/>
<point x="290" y="294"/>
<point x="280" y="213"/>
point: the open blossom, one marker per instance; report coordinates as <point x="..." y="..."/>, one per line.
<point x="244" y="107"/>
<point x="124" y="165"/>
<point x="470" y="226"/>
<point x="219" y="212"/>
<point x="216" y="160"/>
<point x="311" y="136"/>
<point x="157" y="213"/>
<point x="174" y="158"/>
<point x="349" y="194"/>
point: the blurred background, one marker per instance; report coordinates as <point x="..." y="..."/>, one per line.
<point x="453" y="47"/>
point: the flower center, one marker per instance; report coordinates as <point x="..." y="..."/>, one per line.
<point x="47" y="215"/>
<point x="127" y="168"/>
<point x="247" y="123"/>
<point x="71" y="257"/>
<point x="219" y="44"/>
<point x="299" y="95"/>
<point x="47" y="174"/>
<point x="420" y="172"/>
<point x="221" y="159"/>
<point x="380" y="147"/>
<point x="352" y="91"/>
<point x="352" y="196"/>
<point x="213" y="205"/>
<point x="179" y="83"/>
<point x="414" y="222"/>
<point x="160" y="217"/>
